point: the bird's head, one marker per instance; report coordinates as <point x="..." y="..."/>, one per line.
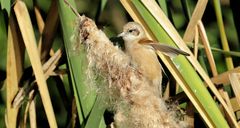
<point x="132" y="31"/>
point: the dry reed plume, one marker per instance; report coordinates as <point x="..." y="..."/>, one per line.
<point x="136" y="105"/>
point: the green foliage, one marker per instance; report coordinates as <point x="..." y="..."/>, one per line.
<point x="5" y="4"/>
<point x="110" y="17"/>
<point x="3" y="41"/>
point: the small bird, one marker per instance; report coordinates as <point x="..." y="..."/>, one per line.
<point x="142" y="52"/>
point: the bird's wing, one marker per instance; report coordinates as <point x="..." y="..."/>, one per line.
<point x="168" y="50"/>
<point x="165" y="49"/>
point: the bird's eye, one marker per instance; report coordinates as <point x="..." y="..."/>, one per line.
<point x="134" y="32"/>
<point x="130" y="30"/>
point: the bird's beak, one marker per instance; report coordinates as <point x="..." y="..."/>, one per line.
<point x="121" y="34"/>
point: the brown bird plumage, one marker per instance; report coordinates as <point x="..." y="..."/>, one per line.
<point x="142" y="53"/>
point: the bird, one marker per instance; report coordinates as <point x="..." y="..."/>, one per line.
<point x="142" y="53"/>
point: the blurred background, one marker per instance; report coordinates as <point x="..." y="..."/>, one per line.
<point x="110" y="16"/>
